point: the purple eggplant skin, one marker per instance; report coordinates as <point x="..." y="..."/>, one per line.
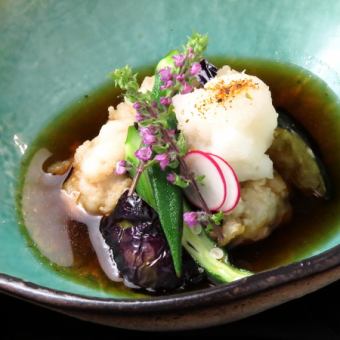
<point x="208" y="71"/>
<point x="140" y="249"/>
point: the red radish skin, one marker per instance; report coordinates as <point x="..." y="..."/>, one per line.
<point x="198" y="160"/>
<point x="233" y="185"/>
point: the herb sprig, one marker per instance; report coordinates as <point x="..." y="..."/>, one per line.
<point x="161" y="142"/>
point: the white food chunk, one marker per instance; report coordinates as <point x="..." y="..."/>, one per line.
<point x="264" y="205"/>
<point x="233" y="117"/>
<point x="94" y="183"/>
<point x="147" y="84"/>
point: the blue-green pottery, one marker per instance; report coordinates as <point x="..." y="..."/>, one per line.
<point x="52" y="53"/>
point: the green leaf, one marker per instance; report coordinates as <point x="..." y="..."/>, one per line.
<point x="147" y="122"/>
<point x="156" y="92"/>
<point x="169" y="120"/>
<point x="209" y="228"/>
<point x="198" y="42"/>
<point x="125" y="78"/>
<point x="174" y="164"/>
<point x="182" y="144"/>
<point x="169" y="205"/>
<point x="200" y="179"/>
<point x="217" y="218"/>
<point x="167" y="61"/>
<point x="160" y="148"/>
<point x="181" y="182"/>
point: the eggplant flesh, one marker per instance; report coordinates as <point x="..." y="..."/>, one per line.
<point x="296" y="158"/>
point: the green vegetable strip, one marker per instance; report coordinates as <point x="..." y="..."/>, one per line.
<point x="169" y="205"/>
<point x="199" y="247"/>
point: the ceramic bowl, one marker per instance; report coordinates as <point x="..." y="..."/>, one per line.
<point x="53" y="53"/>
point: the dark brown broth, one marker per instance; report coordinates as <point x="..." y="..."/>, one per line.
<point x="303" y="96"/>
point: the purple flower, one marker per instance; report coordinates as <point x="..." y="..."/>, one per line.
<point x="171" y="132"/>
<point x="191" y="53"/>
<point x="171" y="177"/>
<point x="191" y="218"/>
<point x="139" y="117"/>
<point x="186" y="88"/>
<point x="167" y="85"/>
<point x="179" y="59"/>
<point x="149" y="139"/>
<point x="163" y="160"/>
<point x="121" y="167"/>
<point x="137" y="106"/>
<point x="151" y="129"/>
<point x="195" y="69"/>
<point x="166" y="101"/>
<point x="180" y="77"/>
<point x="148" y="135"/>
<point x="144" y="153"/>
<point x="165" y="74"/>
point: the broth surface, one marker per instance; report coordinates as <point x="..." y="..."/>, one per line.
<point x="302" y="95"/>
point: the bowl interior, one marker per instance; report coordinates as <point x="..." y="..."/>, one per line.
<point x="55" y="53"/>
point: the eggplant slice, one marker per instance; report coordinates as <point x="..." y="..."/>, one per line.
<point x="296" y="158"/>
<point x="133" y="233"/>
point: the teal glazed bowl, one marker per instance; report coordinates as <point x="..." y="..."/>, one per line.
<point x="53" y="53"/>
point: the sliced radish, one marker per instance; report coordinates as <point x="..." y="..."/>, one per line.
<point x="233" y="185"/>
<point x="213" y="189"/>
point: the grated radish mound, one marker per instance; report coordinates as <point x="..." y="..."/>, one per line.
<point x="233" y="117"/>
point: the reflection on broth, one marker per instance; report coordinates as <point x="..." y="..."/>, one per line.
<point x="44" y="214"/>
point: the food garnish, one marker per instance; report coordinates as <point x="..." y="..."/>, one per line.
<point x="161" y="144"/>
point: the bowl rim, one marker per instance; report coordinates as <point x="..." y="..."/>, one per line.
<point x="219" y="294"/>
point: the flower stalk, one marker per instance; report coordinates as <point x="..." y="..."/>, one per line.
<point x="135" y="179"/>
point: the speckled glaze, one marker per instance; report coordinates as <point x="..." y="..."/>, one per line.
<point x="54" y="52"/>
